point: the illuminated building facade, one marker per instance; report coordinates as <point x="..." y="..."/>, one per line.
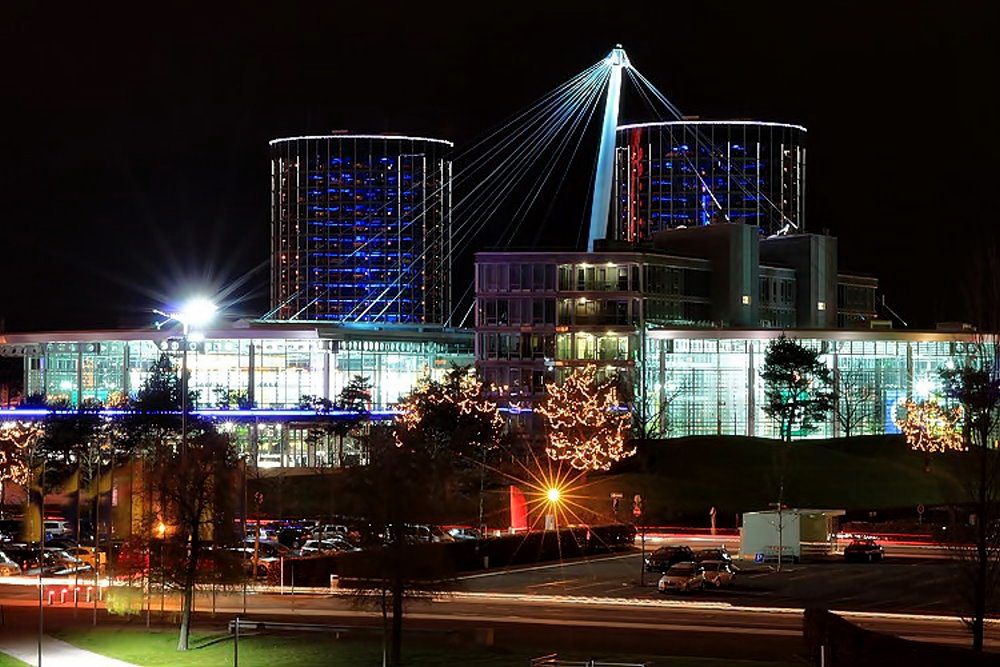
<point x="361" y="229"/>
<point x="250" y="378"/>
<point x="706" y="382"/>
<point x="689" y="173"/>
<point x="541" y="314"/>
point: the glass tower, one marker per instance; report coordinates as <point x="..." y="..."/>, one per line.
<point x="361" y="229"/>
<point x="690" y="172"/>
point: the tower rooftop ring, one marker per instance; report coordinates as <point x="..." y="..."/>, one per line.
<point x="763" y="123"/>
<point x="397" y="137"/>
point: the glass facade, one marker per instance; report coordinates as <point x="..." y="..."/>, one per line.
<point x="689" y="173"/>
<point x="705" y="383"/>
<point x="272" y="373"/>
<point x="361" y="229"/>
<point x="254" y="370"/>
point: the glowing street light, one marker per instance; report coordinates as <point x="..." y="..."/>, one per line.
<point x="196" y="312"/>
<point x="553" y="495"/>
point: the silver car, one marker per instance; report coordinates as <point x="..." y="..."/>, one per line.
<point x="682" y="577"/>
<point x="719" y="573"/>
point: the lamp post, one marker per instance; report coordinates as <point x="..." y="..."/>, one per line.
<point x="161" y="530"/>
<point x="197" y="312"/>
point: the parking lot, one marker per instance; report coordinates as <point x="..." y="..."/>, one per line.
<point x="911" y="585"/>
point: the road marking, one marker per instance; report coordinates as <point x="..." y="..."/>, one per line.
<point x="536" y="568"/>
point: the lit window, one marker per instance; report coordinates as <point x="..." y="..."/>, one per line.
<point x="821" y="305"/>
<point x="746" y="299"/>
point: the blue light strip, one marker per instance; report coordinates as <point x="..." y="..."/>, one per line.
<point x="29" y="414"/>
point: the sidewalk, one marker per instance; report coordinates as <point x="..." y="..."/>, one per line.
<point x="55" y="653"/>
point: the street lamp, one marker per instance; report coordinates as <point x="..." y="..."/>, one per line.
<point x="196" y="312"/>
<point x="161" y="530"/>
<point x="553" y="497"/>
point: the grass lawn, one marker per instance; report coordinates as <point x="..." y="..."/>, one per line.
<point x="157" y="648"/>
<point x="7" y="661"/>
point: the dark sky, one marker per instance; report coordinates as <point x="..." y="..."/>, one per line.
<point x="135" y="145"/>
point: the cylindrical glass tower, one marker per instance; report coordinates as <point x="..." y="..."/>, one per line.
<point x="361" y="228"/>
<point x="693" y="172"/>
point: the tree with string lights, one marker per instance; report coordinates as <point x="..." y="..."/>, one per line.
<point x="17" y="443"/>
<point x="586" y="422"/>
<point x="929" y="427"/>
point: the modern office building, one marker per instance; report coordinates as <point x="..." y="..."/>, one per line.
<point x="251" y="376"/>
<point x="361" y="229"/>
<point x="689" y="173"/>
<point x="540" y="314"/>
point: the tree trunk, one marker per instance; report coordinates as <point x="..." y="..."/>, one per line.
<point x="182" y="639"/>
<point x="983" y="520"/>
<point x="190" y="575"/>
<point x="396" y="656"/>
<point x="385" y="627"/>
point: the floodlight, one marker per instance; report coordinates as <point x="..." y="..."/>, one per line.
<point x="196" y="312"/>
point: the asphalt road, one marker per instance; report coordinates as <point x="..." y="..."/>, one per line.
<point x="905" y="585"/>
<point x="653" y="625"/>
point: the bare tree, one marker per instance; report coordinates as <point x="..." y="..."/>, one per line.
<point x="394" y="491"/>
<point x="976" y="387"/>
<point x="195" y="489"/>
<point x="853" y="400"/>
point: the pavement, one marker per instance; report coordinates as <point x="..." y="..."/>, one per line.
<point x="904" y="585"/>
<point x="609" y="605"/>
<point x="55" y="653"/>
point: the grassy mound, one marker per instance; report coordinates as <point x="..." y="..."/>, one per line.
<point x="681" y="479"/>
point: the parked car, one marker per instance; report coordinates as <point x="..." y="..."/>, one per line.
<point x="293" y="536"/>
<point x="57" y="528"/>
<point x="715" y="553"/>
<point x="336" y="545"/>
<point x="719" y="573"/>
<point x="682" y="577"/>
<point x="87" y="555"/>
<point x="663" y="558"/>
<point x="8" y="568"/>
<point x="865" y="550"/>
<point x="464" y="534"/>
<point x="10" y="530"/>
<point x="330" y="530"/>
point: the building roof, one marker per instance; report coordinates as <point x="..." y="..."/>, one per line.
<point x="711" y="122"/>
<point x="903" y="335"/>
<point x="254" y="329"/>
<point x="401" y="137"/>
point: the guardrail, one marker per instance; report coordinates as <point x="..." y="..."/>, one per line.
<point x="552" y="660"/>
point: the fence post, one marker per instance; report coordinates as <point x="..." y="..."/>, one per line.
<point x="236" y="642"/>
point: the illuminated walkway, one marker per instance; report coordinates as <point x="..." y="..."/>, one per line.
<point x="55" y="653"/>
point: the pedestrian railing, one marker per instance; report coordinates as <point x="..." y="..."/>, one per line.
<point x="553" y="660"/>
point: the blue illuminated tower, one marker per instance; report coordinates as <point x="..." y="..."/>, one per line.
<point x="688" y="173"/>
<point x="361" y="228"/>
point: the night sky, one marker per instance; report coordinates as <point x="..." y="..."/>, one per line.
<point x="135" y="162"/>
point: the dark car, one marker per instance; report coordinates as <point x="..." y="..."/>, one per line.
<point x="293" y="537"/>
<point x="865" y="551"/>
<point x="717" y="553"/>
<point x="661" y="559"/>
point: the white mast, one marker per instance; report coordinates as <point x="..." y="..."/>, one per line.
<point x="604" y="178"/>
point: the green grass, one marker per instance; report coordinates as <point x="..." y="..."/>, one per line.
<point x="682" y="478"/>
<point x="155" y="648"/>
<point x="7" y="661"/>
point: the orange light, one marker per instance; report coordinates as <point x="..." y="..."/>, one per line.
<point x="553" y="495"/>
